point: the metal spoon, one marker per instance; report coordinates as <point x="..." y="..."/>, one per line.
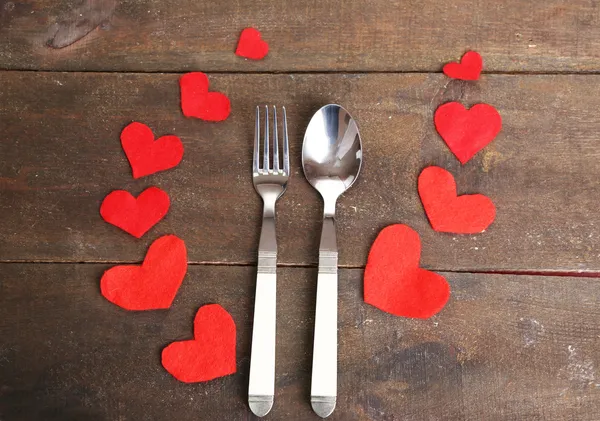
<point x="331" y="159"/>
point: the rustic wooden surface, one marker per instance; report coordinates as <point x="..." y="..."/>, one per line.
<point x="506" y="347"/>
<point x="542" y="171"/>
<point x="515" y="345"/>
<point x="333" y="35"/>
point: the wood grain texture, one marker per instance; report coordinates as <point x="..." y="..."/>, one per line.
<point x="62" y="155"/>
<point x="79" y="21"/>
<point x="504" y="348"/>
<point x="347" y="35"/>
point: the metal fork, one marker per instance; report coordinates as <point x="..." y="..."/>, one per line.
<point x="270" y="182"/>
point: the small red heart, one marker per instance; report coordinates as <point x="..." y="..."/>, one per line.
<point x="197" y="102"/>
<point x="146" y="155"/>
<point x="466" y="132"/>
<point x="447" y="212"/>
<point x="469" y="67"/>
<point x="154" y="284"/>
<point x="393" y="280"/>
<point x="251" y="45"/>
<point x="135" y="215"/>
<point x="210" y="354"/>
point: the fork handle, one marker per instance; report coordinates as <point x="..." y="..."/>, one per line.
<point x="323" y="393"/>
<point x="262" y="359"/>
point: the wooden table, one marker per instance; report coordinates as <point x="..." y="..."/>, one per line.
<point x="520" y="337"/>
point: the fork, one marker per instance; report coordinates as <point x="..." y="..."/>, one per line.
<point x="270" y="182"/>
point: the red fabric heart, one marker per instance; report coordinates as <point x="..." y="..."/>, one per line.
<point x="210" y="354"/>
<point x="447" y="212"/>
<point x="251" y="45"/>
<point x="135" y="215"/>
<point x="393" y="280"/>
<point x="466" y="132"/>
<point x="154" y="284"/>
<point x="146" y="155"/>
<point x="469" y="67"/>
<point x="197" y="102"/>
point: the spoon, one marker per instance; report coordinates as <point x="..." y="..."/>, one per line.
<point x="331" y="159"/>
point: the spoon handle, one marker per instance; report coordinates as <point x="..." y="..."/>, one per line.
<point x="323" y="391"/>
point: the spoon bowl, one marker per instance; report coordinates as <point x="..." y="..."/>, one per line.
<point x="331" y="152"/>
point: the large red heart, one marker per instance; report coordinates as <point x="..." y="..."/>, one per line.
<point x="251" y="45"/>
<point x="146" y="155"/>
<point x="135" y="215"/>
<point x="393" y="280"/>
<point x="197" y="102"/>
<point x="466" y="132"/>
<point x="469" y="67"/>
<point x="154" y="284"/>
<point x="447" y="212"/>
<point x="210" y="354"/>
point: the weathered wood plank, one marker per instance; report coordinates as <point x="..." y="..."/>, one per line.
<point x="504" y="348"/>
<point x="61" y="155"/>
<point x="349" y="35"/>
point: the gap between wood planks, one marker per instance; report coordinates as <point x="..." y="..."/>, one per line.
<point x="304" y="72"/>
<point x="580" y="274"/>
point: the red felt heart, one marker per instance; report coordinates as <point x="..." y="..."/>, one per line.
<point x="135" y="215"/>
<point x="251" y="45"/>
<point x="210" y="354"/>
<point x="469" y="67"/>
<point x="154" y="284"/>
<point x="447" y="212"/>
<point x="146" y="155"/>
<point x="466" y="132"/>
<point x="197" y="102"/>
<point x="393" y="280"/>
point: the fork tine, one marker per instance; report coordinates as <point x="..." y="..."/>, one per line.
<point x="286" y="146"/>
<point x="266" y="150"/>
<point x="275" y="142"/>
<point x="255" y="163"/>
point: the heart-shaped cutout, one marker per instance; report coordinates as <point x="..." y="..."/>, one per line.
<point x="393" y="280"/>
<point x="146" y="155"/>
<point x="251" y="45"/>
<point x="469" y="67"/>
<point x="152" y="285"/>
<point x="198" y="102"/>
<point x="210" y="354"/>
<point x="447" y="212"/>
<point x="466" y="132"/>
<point x="135" y="215"/>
